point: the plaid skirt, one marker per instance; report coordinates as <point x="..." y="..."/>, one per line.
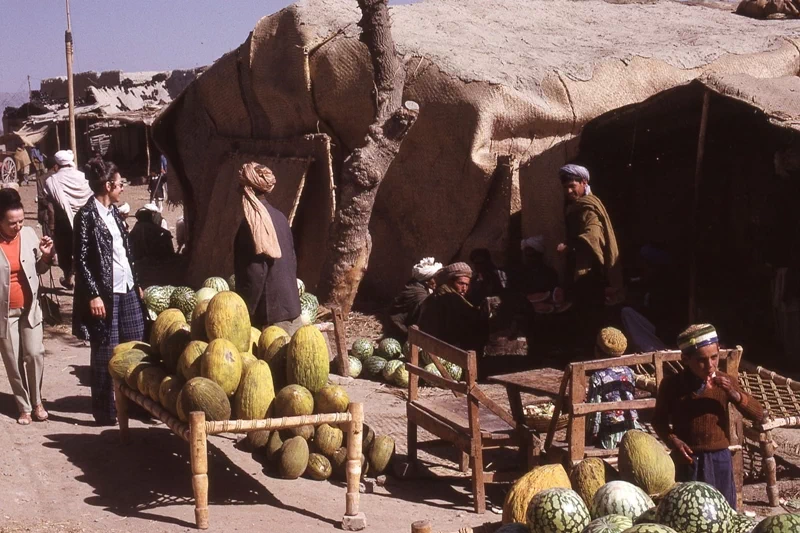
<point x="127" y="324"/>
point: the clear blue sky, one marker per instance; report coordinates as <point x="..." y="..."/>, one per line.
<point x="127" y="35"/>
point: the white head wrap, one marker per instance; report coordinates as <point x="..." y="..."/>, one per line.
<point x="151" y="207"/>
<point x="65" y="158"/>
<point x="124" y="209"/>
<point x="425" y="269"/>
<point x="537" y="243"/>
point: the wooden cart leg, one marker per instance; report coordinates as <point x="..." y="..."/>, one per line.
<point x="121" y="402"/>
<point x="770" y="469"/>
<point x="198" y="452"/>
<point x="353" y="519"/>
<point x="478" y="489"/>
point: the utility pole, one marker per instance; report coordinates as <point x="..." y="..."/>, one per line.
<point x="70" y="87"/>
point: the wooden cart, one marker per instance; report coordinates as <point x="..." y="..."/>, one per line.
<point x="197" y="430"/>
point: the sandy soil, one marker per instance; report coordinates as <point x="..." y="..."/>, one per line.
<point x="67" y="475"/>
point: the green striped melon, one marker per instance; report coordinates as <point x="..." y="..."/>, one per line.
<point x="694" y="507"/>
<point x="390" y="368"/>
<point x="389" y="348"/>
<point x="309" y="307"/>
<point x="557" y="510"/>
<point x="620" y="498"/>
<point x="652" y="528"/>
<point x="183" y="298"/>
<point x="782" y="523"/>
<point x="612" y="523"/>
<point x="216" y="283"/>
<point x="742" y="524"/>
<point x="373" y="365"/>
<point x="319" y="467"/>
<point x="648" y="517"/>
<point x="362" y="348"/>
<point x="400" y="377"/>
<point x="156" y="299"/>
<point x="355" y="367"/>
<point x="453" y="369"/>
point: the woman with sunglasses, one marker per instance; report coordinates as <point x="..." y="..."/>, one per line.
<point x="108" y="308"/>
<point x="23" y="257"/>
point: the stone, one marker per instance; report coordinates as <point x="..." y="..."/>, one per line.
<point x="354" y="523"/>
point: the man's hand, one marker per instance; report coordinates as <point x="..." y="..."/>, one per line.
<point x="683" y="448"/>
<point x="561" y="248"/>
<point x="97" y="307"/>
<point x="724" y="383"/>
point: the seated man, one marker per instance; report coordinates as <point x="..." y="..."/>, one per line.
<point x="613" y="384"/>
<point x="149" y="240"/>
<point x="487" y="279"/>
<point x="534" y="276"/>
<point x="404" y="311"/>
<point x="691" y="414"/>
<point x="447" y="315"/>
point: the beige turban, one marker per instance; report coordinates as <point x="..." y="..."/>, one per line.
<point x="257" y="178"/>
<point x="453" y="271"/>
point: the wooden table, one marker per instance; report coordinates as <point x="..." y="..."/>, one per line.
<point x="543" y="384"/>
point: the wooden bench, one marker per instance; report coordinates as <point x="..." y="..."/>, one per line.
<point x="572" y="400"/>
<point x="459" y="420"/>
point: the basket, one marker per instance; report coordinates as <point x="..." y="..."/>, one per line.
<point x="541" y="422"/>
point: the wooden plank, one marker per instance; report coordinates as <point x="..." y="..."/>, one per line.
<point x="659" y="363"/>
<point x="588" y="408"/>
<point x="444" y="431"/>
<point x="449" y="416"/>
<point x="641" y="359"/>
<point x="559" y="406"/>
<point x="339" y="332"/>
<point x="434" y="346"/>
<point x="540" y="381"/>
<point x="413" y="379"/>
<point x="476" y="446"/>
<point x="577" y="423"/>
<point x="455" y="386"/>
<point x="493" y="406"/>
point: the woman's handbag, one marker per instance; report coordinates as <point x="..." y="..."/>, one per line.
<point x="48" y="301"/>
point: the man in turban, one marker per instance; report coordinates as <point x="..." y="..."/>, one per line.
<point x="593" y="266"/>
<point x="448" y="315"/>
<point x="404" y="311"/>
<point x="691" y="414"/>
<point x="263" y="255"/>
<point x="67" y="190"/>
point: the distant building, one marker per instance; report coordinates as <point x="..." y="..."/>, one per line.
<point x="113" y="114"/>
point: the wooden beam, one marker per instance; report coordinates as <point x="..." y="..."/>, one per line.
<point x="449" y="384"/>
<point x="589" y="408"/>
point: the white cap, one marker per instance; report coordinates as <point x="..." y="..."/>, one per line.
<point x="151" y="207"/>
<point x="124" y="209"/>
<point x="65" y="158"/>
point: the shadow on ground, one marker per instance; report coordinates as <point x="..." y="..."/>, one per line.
<point x="153" y="472"/>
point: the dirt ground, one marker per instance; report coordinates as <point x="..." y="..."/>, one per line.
<point x="66" y="475"/>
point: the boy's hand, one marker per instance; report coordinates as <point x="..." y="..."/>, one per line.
<point x="684" y="449"/>
<point x="724" y="383"/>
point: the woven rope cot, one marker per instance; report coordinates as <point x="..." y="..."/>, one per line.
<point x="779" y="395"/>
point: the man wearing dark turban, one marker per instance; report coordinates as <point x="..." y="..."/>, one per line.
<point x="447" y="315"/>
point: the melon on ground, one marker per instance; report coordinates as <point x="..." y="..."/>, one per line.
<point x="293" y="400"/>
<point x="525" y="488"/>
<point x="328" y="439"/>
<point x="293" y="458"/>
<point x="222" y="364"/>
<point x="644" y="462"/>
<point x="694" y="507"/>
<point x="319" y="468"/>
<point x="557" y="510"/>
<point x="331" y="399"/>
<point x="620" y="498"/>
<point x="227" y="318"/>
<point x="307" y="361"/>
<point x="589" y="475"/>
<point x="380" y="453"/>
<point x="782" y="523"/>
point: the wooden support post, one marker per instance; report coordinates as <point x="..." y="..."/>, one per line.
<point x="340" y="333"/>
<point x="770" y="469"/>
<point x="122" y="413"/>
<point x="576" y="435"/>
<point x="147" y="150"/>
<point x="423" y="526"/>
<point x="353" y="519"/>
<point x="198" y="455"/>
<point x="698" y="180"/>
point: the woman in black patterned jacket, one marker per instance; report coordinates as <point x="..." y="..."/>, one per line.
<point x="108" y="307"/>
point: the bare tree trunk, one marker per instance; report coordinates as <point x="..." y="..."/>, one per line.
<point x="350" y="243"/>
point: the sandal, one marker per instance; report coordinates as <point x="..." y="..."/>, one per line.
<point x="24" y="419"/>
<point x="39" y="414"/>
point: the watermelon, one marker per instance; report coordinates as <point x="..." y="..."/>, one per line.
<point x="374" y="365"/>
<point x="742" y="524"/>
<point x="453" y="369"/>
<point x="389" y="349"/>
<point x="206" y="293"/>
<point x="423" y="357"/>
<point x="390" y="368"/>
<point x="620" y="498"/>
<point x="694" y="507"/>
<point x="355" y="367"/>
<point x="308" y="308"/>
<point x="361" y="349"/>
<point x="612" y="523"/>
<point x="648" y="517"/>
<point x="782" y="523"/>
<point x="400" y="377"/>
<point x="650" y="528"/>
<point x="156" y="299"/>
<point x="183" y="298"/>
<point x="301" y="287"/>
<point x="557" y="510"/>
<point x="430" y="367"/>
<point x="216" y="283"/>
